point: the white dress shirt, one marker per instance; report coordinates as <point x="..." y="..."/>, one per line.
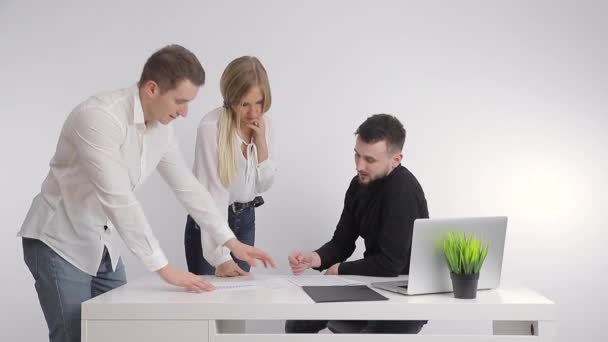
<point x="104" y="152"/>
<point x="252" y="178"/>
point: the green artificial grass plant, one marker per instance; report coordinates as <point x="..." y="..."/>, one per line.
<point x="465" y="253"/>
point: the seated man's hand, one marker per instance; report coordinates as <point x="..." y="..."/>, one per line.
<point x="333" y="270"/>
<point x="249" y="254"/>
<point x="229" y="269"/>
<point x="187" y="280"/>
<point x="301" y="261"/>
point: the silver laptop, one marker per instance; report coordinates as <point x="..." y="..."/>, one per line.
<point x="429" y="272"/>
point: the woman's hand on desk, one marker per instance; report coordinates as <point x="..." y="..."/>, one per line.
<point x="187" y="280"/>
<point x="229" y="269"/>
<point x="249" y="254"/>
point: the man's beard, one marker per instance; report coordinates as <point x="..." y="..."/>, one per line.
<point x="371" y="180"/>
<point x="361" y="182"/>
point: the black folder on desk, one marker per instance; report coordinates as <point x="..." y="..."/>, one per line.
<point x="348" y="293"/>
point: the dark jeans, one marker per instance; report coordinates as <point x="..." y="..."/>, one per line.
<point x="242" y="223"/>
<point x="62" y="287"/>
<point x="360" y="327"/>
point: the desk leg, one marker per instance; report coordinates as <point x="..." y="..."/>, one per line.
<point x="544" y="329"/>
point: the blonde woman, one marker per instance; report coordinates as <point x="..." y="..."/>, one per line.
<point x="232" y="160"/>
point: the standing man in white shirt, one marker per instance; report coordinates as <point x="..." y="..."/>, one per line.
<point x="108" y="146"/>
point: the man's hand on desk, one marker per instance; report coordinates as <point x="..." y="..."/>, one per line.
<point x="333" y="270"/>
<point x="229" y="269"/>
<point x="249" y="254"/>
<point x="301" y="261"/>
<point x="187" y="280"/>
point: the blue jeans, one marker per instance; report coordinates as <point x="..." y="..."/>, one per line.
<point x="242" y="223"/>
<point x="62" y="287"/>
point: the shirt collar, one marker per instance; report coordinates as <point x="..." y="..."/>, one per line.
<point x="138" y="112"/>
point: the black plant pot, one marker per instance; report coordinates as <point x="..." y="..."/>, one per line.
<point x="464" y="285"/>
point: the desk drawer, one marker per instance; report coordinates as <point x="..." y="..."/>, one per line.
<point x="145" y="330"/>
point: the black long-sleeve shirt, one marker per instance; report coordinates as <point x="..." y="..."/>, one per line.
<point x="383" y="214"/>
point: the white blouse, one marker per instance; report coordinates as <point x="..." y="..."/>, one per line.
<point x="252" y="178"/>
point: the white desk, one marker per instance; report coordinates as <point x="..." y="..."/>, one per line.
<point x="149" y="310"/>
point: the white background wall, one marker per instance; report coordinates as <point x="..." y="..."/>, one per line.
<point x="505" y="103"/>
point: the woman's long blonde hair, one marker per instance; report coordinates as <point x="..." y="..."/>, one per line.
<point x="239" y="77"/>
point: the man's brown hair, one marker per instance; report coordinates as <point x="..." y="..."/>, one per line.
<point x="171" y="65"/>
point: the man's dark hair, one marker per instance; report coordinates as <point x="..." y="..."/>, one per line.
<point x="385" y="127"/>
<point x="171" y="65"/>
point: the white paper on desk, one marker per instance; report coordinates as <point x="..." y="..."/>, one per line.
<point x="322" y="280"/>
<point x="244" y="284"/>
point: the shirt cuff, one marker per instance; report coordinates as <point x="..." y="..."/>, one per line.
<point x="266" y="164"/>
<point x="220" y="260"/>
<point x="322" y="266"/>
<point x="155" y="261"/>
<point x="223" y="237"/>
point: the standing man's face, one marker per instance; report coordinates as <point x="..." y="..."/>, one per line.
<point x="373" y="161"/>
<point x="168" y="106"/>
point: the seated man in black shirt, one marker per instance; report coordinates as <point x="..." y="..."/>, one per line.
<point x="380" y="205"/>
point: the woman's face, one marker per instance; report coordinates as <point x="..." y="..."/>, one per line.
<point x="249" y="110"/>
